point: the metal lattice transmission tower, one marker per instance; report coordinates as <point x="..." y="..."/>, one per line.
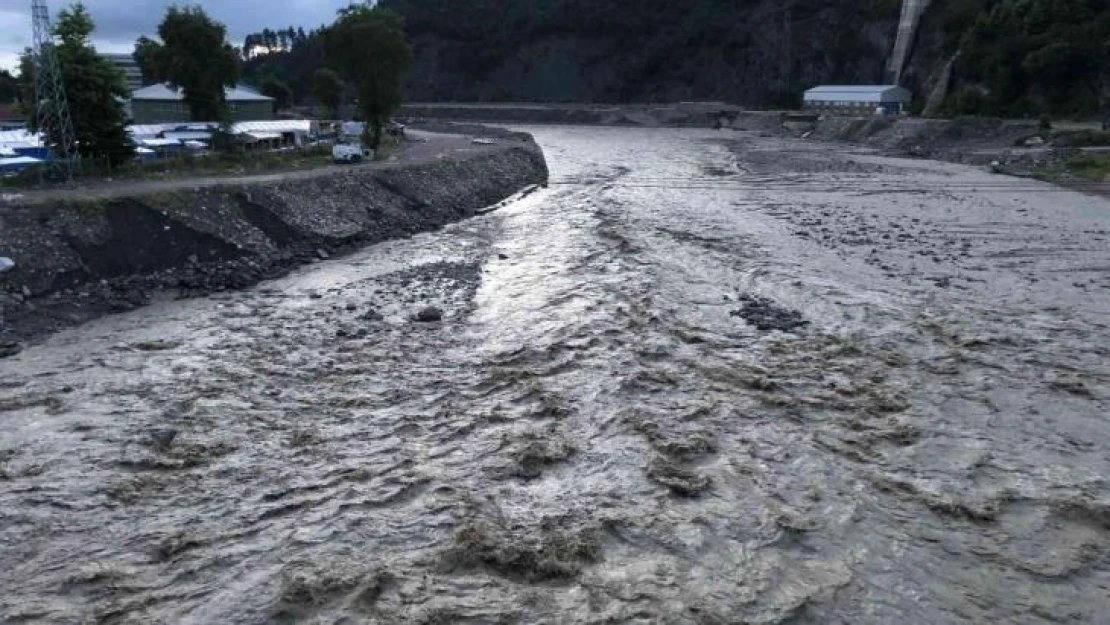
<point x="52" y="107"/>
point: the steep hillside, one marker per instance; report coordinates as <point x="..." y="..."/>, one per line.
<point x="748" y="51"/>
<point x="1016" y="56"/>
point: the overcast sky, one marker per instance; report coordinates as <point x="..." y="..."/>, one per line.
<point x="120" y="22"/>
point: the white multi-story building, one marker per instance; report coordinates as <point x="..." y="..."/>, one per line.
<point x="130" y="67"/>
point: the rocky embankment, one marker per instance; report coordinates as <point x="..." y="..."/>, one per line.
<point x="1020" y="148"/>
<point x="80" y="256"/>
<point x="683" y="114"/>
<point x="969" y="140"/>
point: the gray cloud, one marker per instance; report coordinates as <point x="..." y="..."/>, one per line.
<point x="120" y="22"/>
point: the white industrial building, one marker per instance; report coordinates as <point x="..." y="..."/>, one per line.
<point x="857" y="99"/>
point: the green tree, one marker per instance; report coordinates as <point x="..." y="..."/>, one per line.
<point x="9" y="87"/>
<point x="194" y="56"/>
<point x="94" y="87"/>
<point x="367" y="44"/>
<point x="147" y="57"/>
<point x="279" y="91"/>
<point x="295" y="67"/>
<point x="328" y="87"/>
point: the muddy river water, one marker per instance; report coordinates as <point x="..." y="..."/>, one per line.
<point x="701" y="378"/>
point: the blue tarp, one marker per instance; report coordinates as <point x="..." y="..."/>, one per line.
<point x="40" y="153"/>
<point x="17" y="163"/>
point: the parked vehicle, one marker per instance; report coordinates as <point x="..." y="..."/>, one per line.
<point x="349" y="153"/>
<point x="395" y="129"/>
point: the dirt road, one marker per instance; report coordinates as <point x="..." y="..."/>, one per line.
<point x="696" y="380"/>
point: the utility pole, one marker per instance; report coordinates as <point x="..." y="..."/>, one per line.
<point x="1104" y="98"/>
<point x="51" y="106"/>
<point x="788" y="31"/>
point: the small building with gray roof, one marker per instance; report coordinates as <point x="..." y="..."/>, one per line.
<point x="158" y="104"/>
<point x="857" y="99"/>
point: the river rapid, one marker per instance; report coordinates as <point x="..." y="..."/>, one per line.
<point x="703" y="377"/>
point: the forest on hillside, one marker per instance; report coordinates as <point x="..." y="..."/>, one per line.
<point x="1015" y="57"/>
<point x="283" y="62"/>
<point x="1021" y="57"/>
<point x="1007" y="57"/>
<point x="760" y="51"/>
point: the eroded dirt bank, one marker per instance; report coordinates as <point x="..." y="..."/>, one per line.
<point x="693" y="381"/>
<point x="685" y="114"/>
<point x="78" y="255"/>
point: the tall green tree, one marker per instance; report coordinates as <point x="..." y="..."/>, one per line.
<point x="328" y="87"/>
<point x="269" y="39"/>
<point x="367" y="45"/>
<point x="9" y="87"/>
<point x="279" y="91"/>
<point x="95" y="89"/>
<point x="194" y="56"/>
<point x="295" y="67"/>
<point x="147" y="57"/>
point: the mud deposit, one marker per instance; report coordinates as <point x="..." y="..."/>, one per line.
<point x="587" y="433"/>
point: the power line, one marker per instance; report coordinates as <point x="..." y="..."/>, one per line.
<point x="52" y="114"/>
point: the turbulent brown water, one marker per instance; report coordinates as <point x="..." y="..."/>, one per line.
<point x="702" y="378"/>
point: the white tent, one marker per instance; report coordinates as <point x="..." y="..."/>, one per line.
<point x="263" y="136"/>
<point x="13" y="139"/>
<point x="280" y="126"/>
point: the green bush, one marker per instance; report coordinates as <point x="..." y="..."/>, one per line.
<point x="785" y="99"/>
<point x="26" y="177"/>
<point x="1081" y="139"/>
<point x="967" y="101"/>
<point x="1094" y="167"/>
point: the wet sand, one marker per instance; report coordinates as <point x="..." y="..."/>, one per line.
<point x="701" y="378"/>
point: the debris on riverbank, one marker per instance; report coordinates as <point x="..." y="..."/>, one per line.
<point x="765" y="315"/>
